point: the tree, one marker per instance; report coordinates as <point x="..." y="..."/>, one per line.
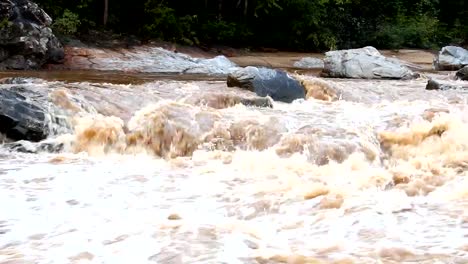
<point x="106" y="12"/>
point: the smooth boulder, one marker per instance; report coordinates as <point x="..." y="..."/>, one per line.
<point x="363" y="63"/>
<point x="462" y="74"/>
<point x="26" y="40"/>
<point x="267" y="82"/>
<point x="451" y="58"/>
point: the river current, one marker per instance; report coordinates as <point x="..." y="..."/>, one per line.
<point x="155" y="170"/>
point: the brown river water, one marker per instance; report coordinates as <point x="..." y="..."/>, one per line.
<point x="170" y="169"/>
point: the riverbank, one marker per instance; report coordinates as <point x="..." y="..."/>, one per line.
<point x="82" y="56"/>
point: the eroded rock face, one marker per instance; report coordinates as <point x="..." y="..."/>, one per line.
<point x="26" y="41"/>
<point x="267" y="82"/>
<point x="364" y="63"/>
<point x="451" y="58"/>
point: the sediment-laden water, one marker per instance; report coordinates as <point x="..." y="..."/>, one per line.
<point x="178" y="171"/>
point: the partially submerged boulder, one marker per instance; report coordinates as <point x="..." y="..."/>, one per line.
<point x="267" y="82"/>
<point x="364" y="63"/>
<point x="19" y="118"/>
<point x="462" y="74"/>
<point x="26" y="40"/>
<point x="27" y="112"/>
<point x="438" y="85"/>
<point x="451" y="58"/>
<point x="309" y="63"/>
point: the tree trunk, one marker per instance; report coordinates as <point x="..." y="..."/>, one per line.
<point x="106" y="12"/>
<point x="220" y="10"/>
<point x="246" y="6"/>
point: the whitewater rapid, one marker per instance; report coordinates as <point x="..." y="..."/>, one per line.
<point x="175" y="171"/>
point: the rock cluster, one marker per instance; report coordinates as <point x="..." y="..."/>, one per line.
<point x="26" y="40"/>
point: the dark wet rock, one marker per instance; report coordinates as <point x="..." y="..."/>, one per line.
<point x="267" y="82"/>
<point x="221" y="101"/>
<point x="437" y="85"/>
<point x="364" y="63"/>
<point x="462" y="74"/>
<point x="309" y="63"/>
<point x="20" y="118"/>
<point x="34" y="148"/>
<point x="26" y="40"/>
<point x="451" y="58"/>
<point x="27" y="114"/>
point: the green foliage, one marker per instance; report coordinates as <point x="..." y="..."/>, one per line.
<point x="411" y="32"/>
<point x="285" y="24"/>
<point x="67" y="24"/>
<point x="165" y="24"/>
<point x="4" y="23"/>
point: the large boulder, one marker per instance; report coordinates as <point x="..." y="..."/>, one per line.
<point x="267" y="82"/>
<point x="26" y="41"/>
<point x="363" y="63"/>
<point x="148" y="59"/>
<point x="462" y="74"/>
<point x="451" y="58"/>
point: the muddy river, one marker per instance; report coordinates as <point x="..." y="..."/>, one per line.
<point x="171" y="169"/>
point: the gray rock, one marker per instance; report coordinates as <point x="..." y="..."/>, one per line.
<point x="309" y="63"/>
<point x="267" y="82"/>
<point x="20" y="119"/>
<point x="155" y="59"/>
<point x="28" y="114"/>
<point x="462" y="74"/>
<point x="26" y="41"/>
<point x="363" y="63"/>
<point x="451" y="58"/>
<point x="437" y="85"/>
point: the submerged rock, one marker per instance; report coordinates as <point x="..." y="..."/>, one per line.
<point x="364" y="63"/>
<point x="437" y="85"/>
<point x="267" y="82"/>
<point x="309" y="63"/>
<point x="462" y="74"/>
<point x="451" y="58"/>
<point x="34" y="147"/>
<point x="221" y="101"/>
<point x="26" y="41"/>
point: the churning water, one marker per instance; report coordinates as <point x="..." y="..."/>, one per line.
<point x="180" y="172"/>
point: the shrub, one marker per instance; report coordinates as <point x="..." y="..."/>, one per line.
<point x="67" y="24"/>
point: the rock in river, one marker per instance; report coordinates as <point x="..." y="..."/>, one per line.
<point x="437" y="85"/>
<point x="267" y="82"/>
<point x="309" y="63"/>
<point x="19" y="118"/>
<point x="364" y="63"/>
<point x="27" y="113"/>
<point x="462" y="74"/>
<point x="148" y="59"/>
<point x="26" y="41"/>
<point x="451" y="58"/>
